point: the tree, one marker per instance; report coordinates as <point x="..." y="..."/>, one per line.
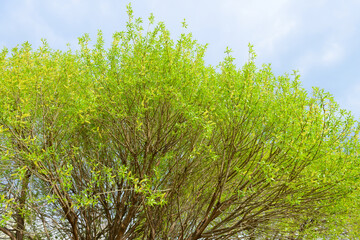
<point x="144" y="141"/>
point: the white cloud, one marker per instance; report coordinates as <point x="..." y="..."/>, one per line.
<point x="266" y="24"/>
<point x="330" y="54"/>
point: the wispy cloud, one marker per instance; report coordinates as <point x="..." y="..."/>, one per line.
<point x="264" y="23"/>
<point x="328" y="55"/>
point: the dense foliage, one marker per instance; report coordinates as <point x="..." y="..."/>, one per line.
<point x="145" y="141"/>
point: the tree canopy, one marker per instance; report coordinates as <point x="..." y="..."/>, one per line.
<point x="143" y="140"/>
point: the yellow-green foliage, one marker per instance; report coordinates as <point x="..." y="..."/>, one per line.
<point x="143" y="140"/>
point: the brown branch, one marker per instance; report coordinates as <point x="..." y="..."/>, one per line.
<point x="8" y="232"/>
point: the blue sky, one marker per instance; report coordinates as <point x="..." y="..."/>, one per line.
<point x="320" y="38"/>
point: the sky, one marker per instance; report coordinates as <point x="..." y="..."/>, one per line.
<point x="319" y="38"/>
